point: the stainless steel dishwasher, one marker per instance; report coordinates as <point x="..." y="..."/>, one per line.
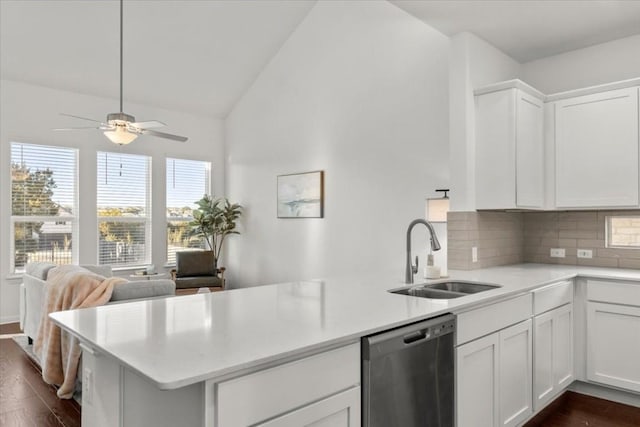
<point x="408" y="375"/>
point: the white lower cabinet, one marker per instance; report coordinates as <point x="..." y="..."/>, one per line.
<point x="553" y="354"/>
<point x="340" y="410"/>
<point x="515" y="366"/>
<point x="494" y="378"/>
<point x="320" y="390"/>
<point x="477" y="382"/>
<point x="613" y="345"/>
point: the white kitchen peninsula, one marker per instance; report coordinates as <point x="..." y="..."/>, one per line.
<point x="275" y="355"/>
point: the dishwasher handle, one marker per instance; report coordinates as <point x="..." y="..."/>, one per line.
<point x="379" y="345"/>
<point x="415" y="337"/>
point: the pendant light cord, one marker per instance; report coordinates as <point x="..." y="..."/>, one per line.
<point x="121" y="55"/>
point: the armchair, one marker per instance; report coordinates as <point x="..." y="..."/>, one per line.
<point x="196" y="269"/>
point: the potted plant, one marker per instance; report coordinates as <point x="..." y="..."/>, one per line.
<point x="214" y="220"/>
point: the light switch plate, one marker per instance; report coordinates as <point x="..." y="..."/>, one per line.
<point x="557" y="253"/>
<point x="585" y="253"/>
<point x="474" y="254"/>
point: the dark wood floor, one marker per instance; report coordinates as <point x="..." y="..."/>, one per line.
<point x="25" y="400"/>
<point x="575" y="409"/>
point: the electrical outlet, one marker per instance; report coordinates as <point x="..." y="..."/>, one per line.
<point x="87" y="386"/>
<point x="474" y="254"/>
<point x="585" y="253"/>
<point x="557" y="253"/>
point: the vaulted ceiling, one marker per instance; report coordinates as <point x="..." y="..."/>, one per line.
<point x="201" y="56"/>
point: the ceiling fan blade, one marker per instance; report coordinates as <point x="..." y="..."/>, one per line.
<point x="82" y="118"/>
<point x="148" y="124"/>
<point x="163" y="135"/>
<point x="79" y="128"/>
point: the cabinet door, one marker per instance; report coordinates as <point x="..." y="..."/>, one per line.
<point x="477" y="382"/>
<point x="495" y="175"/>
<point x="340" y="410"/>
<point x="597" y="150"/>
<point x="613" y="345"/>
<point x="529" y="151"/>
<point x="563" y="346"/>
<point x="552" y="354"/>
<point x="515" y="367"/>
<point x="543" y="333"/>
<point x="509" y="150"/>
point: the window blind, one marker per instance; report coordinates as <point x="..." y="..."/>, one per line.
<point x="124" y="209"/>
<point x="187" y="182"/>
<point x="43" y="204"/>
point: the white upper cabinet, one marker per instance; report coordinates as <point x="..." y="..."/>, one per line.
<point x="509" y="148"/>
<point x="596" y="150"/>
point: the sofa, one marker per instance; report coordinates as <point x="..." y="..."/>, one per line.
<point x="34" y="282"/>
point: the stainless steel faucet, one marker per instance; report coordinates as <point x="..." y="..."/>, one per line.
<point x="435" y="245"/>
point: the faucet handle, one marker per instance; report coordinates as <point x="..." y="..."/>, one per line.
<point x="414" y="268"/>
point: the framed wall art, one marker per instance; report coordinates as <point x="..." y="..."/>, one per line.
<point x="301" y="195"/>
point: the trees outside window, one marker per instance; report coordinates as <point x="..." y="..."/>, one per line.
<point x="187" y="182"/>
<point x="124" y="209"/>
<point x="43" y="204"/>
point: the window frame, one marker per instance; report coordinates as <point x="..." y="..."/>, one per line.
<point x="74" y="218"/>
<point x="607" y="231"/>
<point x="168" y="219"/>
<point x="146" y="220"/>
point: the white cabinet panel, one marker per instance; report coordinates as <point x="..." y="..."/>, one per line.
<point x="552" y="354"/>
<point x="251" y="399"/>
<point x="515" y="367"/>
<point x="509" y="150"/>
<point x="493" y="386"/>
<point x="340" y="410"/>
<point x="613" y="345"/>
<point x="596" y="146"/>
<point x="563" y="345"/>
<point x="543" y="351"/>
<point x="529" y="151"/>
<point x="477" y="382"/>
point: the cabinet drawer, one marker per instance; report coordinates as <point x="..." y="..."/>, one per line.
<point x="552" y="296"/>
<point x="256" y="397"/>
<point x="485" y="320"/>
<point x="627" y="293"/>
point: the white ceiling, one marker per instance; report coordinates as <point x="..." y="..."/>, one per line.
<point x="193" y="56"/>
<point x="201" y="56"/>
<point x="529" y="30"/>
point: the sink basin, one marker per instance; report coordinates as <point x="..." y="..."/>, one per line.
<point x="444" y="290"/>
<point x="463" y="287"/>
<point x="424" y="292"/>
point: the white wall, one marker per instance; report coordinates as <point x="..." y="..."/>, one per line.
<point x="594" y="65"/>
<point x="473" y="63"/>
<point x="28" y="113"/>
<point x="360" y="90"/>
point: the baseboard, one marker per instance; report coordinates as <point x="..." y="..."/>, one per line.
<point x="607" y="393"/>
<point x="9" y="319"/>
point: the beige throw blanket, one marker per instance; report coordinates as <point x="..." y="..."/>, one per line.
<point x="68" y="287"/>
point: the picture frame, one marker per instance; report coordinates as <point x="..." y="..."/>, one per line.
<point x="300" y="195"/>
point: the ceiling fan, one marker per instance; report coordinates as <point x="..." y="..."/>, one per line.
<point x="121" y="128"/>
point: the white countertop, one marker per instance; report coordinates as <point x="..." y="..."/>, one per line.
<point x="174" y="342"/>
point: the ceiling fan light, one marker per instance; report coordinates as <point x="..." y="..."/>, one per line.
<point x="120" y="136"/>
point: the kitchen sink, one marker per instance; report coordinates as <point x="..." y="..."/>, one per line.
<point x="444" y="290"/>
<point x="462" y="287"/>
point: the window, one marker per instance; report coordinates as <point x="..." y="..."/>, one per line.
<point x="623" y="231"/>
<point x="43" y="204"/>
<point x="187" y="182"/>
<point x="124" y="209"/>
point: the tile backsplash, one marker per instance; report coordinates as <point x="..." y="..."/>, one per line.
<point x="498" y="236"/>
<point x="504" y="238"/>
